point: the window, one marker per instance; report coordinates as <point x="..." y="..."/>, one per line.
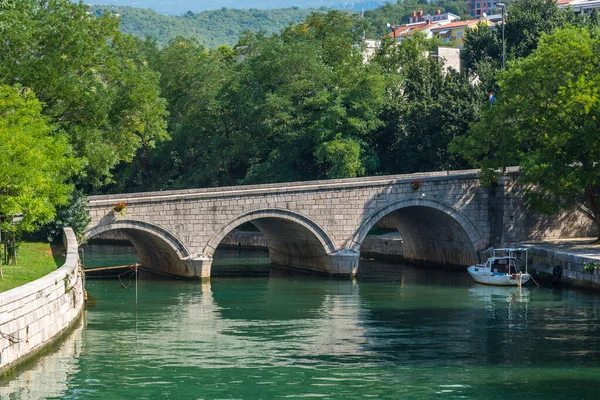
<point x="458" y="34"/>
<point x="478" y="12"/>
<point x="478" y="5"/>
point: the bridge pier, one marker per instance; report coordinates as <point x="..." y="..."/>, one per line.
<point x="198" y="267"/>
<point x="343" y="263"/>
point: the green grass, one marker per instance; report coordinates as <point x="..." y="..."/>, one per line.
<point x="34" y="260"/>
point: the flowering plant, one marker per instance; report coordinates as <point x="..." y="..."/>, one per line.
<point x="416" y="184"/>
<point x="120" y="207"/>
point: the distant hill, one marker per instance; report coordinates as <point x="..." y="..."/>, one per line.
<point x="225" y="25"/>
<point x="179" y="7"/>
<point x="211" y="28"/>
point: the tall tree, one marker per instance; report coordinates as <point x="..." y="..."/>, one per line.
<point x="36" y="162"/>
<point x="90" y="78"/>
<point x="546" y="119"/>
<point x="308" y="98"/>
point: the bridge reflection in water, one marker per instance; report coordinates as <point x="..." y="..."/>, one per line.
<point x="398" y="329"/>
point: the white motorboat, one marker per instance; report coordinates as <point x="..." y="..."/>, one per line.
<point x="501" y="269"/>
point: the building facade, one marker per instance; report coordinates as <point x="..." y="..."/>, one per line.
<point x="476" y="8"/>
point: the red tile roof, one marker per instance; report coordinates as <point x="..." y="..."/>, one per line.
<point x="409" y="29"/>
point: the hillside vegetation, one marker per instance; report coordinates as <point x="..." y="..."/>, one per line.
<point x="179" y="7"/>
<point x="211" y="28"/>
<point x="225" y="26"/>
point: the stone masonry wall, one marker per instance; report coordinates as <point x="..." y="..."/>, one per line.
<point x="35" y="314"/>
<point x="322" y="220"/>
<point x="544" y="260"/>
<point x="521" y="223"/>
<point x="339" y="207"/>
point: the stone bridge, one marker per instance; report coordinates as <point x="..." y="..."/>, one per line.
<point x="320" y="225"/>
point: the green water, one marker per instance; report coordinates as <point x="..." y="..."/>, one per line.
<point x="395" y="333"/>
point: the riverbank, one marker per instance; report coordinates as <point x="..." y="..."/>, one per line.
<point x="35" y="260"/>
<point x="35" y="315"/>
<point x="569" y="261"/>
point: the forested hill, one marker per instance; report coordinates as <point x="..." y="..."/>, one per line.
<point x="179" y="7"/>
<point x="225" y="26"/>
<point x="211" y="28"/>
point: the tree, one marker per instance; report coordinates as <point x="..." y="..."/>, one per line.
<point x="528" y="19"/>
<point x="90" y="78"/>
<point x="482" y="47"/>
<point x="305" y="95"/>
<point x="297" y="105"/>
<point x="425" y="109"/>
<point x="525" y="21"/>
<point x="75" y="214"/>
<point x="546" y="119"/>
<point x="36" y="162"/>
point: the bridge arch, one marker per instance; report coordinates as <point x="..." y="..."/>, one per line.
<point x="157" y="248"/>
<point x="432" y="230"/>
<point x="293" y="239"/>
<point x="128" y="225"/>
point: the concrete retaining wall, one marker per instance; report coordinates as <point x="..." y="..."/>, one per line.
<point x="34" y="315"/>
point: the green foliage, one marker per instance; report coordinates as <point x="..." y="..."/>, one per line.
<point x="274" y="108"/>
<point x="210" y="28"/>
<point x="526" y="20"/>
<point x="482" y="48"/>
<point x="74" y="214"/>
<point x="341" y="157"/>
<point x="547" y="119"/>
<point x="36" y="163"/>
<point x="90" y="78"/>
<point x="425" y="110"/>
<point x="591" y="267"/>
<point x="190" y="7"/>
<point x="225" y="26"/>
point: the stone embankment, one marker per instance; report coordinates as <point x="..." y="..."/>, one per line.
<point x="565" y="261"/>
<point x="36" y="314"/>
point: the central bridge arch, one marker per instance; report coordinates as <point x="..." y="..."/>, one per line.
<point x="431" y="230"/>
<point x="293" y="239"/>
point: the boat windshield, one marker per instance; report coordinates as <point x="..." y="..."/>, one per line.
<point x="505" y="259"/>
<point x="503" y="265"/>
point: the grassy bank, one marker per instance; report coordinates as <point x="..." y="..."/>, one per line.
<point x="34" y="261"/>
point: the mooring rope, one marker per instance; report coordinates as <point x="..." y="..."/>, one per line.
<point x="10" y="338"/>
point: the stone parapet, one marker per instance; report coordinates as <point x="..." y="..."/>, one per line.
<point x="34" y="315"/>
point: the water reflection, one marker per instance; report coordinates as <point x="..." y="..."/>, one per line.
<point x="49" y="375"/>
<point x="422" y="333"/>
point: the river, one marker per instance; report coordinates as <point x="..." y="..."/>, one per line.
<point x="395" y="332"/>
